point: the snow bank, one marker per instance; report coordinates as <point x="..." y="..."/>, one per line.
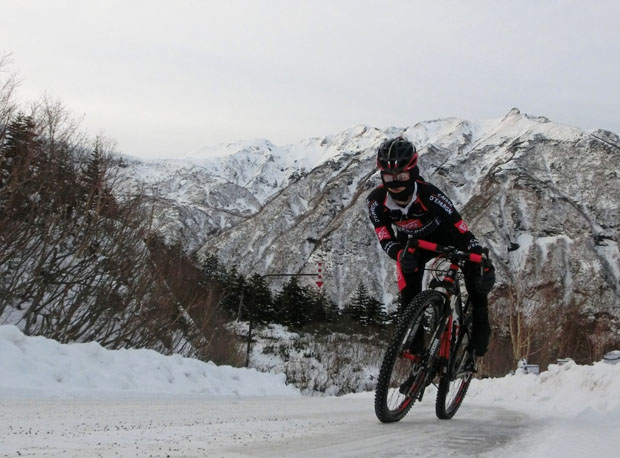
<point x="571" y="410"/>
<point x="569" y="389"/>
<point x="36" y="367"/>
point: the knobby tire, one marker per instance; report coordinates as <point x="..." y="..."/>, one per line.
<point x="453" y="385"/>
<point x="397" y="369"/>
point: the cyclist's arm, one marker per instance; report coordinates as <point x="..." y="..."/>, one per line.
<point x="451" y="220"/>
<point x="383" y="226"/>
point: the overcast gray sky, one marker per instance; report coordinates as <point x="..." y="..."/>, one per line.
<point x="167" y="77"/>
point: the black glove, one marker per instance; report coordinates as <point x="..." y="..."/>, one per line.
<point x="485" y="274"/>
<point x="408" y="260"/>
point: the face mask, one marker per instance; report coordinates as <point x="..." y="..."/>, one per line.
<point x="404" y="194"/>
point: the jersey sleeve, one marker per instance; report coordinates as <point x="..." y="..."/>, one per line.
<point x="450" y="219"/>
<point x="383" y="226"/>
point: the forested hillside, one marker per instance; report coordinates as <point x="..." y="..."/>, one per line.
<point x="78" y="263"/>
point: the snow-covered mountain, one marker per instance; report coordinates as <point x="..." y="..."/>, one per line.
<point x="218" y="187"/>
<point x="543" y="196"/>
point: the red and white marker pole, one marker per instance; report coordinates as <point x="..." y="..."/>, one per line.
<point x="319" y="281"/>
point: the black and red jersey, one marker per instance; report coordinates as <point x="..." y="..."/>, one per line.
<point x="430" y="216"/>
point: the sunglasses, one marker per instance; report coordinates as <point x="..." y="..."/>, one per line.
<point x="389" y="177"/>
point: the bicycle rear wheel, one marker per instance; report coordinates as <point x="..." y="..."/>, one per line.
<point x="453" y="385"/>
<point x="406" y="364"/>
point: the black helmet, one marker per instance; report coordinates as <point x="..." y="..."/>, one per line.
<point x="396" y="155"/>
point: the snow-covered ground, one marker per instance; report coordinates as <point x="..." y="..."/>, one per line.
<point x="81" y="400"/>
<point x="40" y="368"/>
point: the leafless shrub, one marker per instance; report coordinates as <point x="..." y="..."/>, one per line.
<point x="78" y="264"/>
<point x="547" y="333"/>
<point x="198" y="303"/>
<point x="332" y="363"/>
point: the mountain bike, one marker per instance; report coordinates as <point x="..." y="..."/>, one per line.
<point x="430" y="342"/>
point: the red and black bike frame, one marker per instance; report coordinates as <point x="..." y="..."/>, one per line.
<point x="453" y="311"/>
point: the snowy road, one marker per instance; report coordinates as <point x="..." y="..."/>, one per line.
<point x="267" y="427"/>
<point x="151" y="405"/>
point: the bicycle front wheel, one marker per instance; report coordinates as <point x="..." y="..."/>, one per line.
<point x="453" y="385"/>
<point x="406" y="364"/>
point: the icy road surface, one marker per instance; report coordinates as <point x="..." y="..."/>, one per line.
<point x="266" y="427"/>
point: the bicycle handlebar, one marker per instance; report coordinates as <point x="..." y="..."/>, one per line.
<point x="448" y="250"/>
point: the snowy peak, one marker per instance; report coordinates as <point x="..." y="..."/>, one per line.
<point x="516" y="124"/>
<point x="220" y="150"/>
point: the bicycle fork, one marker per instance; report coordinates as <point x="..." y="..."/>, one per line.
<point x="419" y="379"/>
<point x="445" y="337"/>
<point x="438" y="358"/>
<point x="444" y="350"/>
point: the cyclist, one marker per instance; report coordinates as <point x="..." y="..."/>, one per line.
<point x="405" y="205"/>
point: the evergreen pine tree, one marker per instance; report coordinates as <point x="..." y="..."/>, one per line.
<point x="356" y="309"/>
<point x="98" y="194"/>
<point x="18" y="149"/>
<point x="20" y="156"/>
<point x="233" y="299"/>
<point x="258" y="301"/>
<point x="332" y="313"/>
<point x="93" y="177"/>
<point x="292" y="304"/>
<point x="212" y="269"/>
<point x="20" y="136"/>
<point x="375" y="315"/>
<point x="318" y="307"/>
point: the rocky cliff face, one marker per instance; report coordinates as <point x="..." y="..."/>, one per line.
<point x="552" y="196"/>
<point x="543" y="196"/>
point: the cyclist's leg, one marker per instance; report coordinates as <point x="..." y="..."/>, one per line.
<point x="481" y="328"/>
<point x="410" y="285"/>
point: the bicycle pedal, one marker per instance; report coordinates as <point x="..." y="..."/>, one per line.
<point x="470" y="365"/>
